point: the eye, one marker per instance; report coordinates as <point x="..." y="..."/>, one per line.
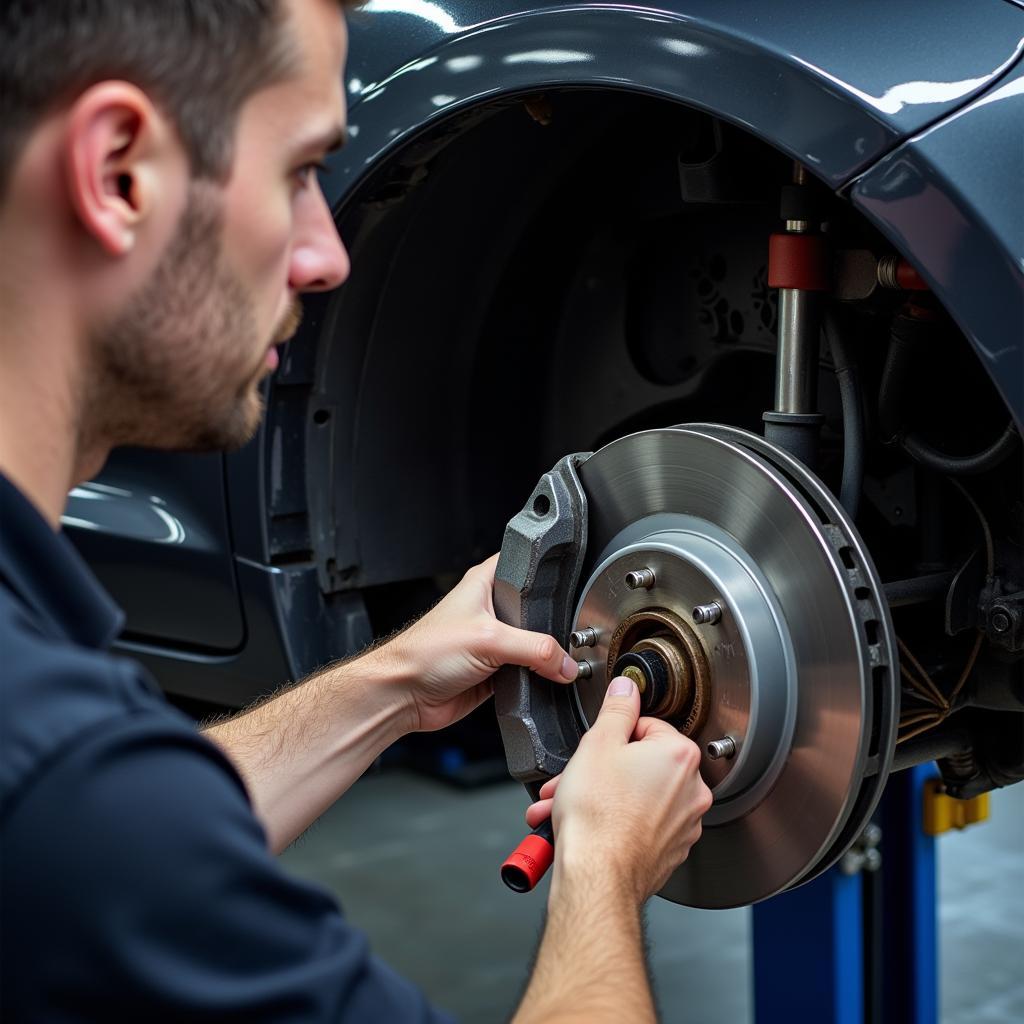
<point x="306" y="174"/>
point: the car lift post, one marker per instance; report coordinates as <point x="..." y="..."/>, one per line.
<point x="855" y="948"/>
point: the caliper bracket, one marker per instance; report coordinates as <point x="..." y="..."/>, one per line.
<point x="534" y="585"/>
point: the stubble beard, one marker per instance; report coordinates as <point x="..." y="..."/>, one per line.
<point x="179" y="369"/>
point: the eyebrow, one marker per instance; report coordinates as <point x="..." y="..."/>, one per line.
<point x="330" y="141"/>
<point x="336" y="140"/>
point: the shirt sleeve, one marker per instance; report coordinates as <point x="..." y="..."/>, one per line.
<point x="137" y="885"/>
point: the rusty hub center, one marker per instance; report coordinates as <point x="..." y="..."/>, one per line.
<point x="664" y="657"/>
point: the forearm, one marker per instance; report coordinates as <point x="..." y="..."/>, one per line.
<point x="299" y="751"/>
<point x="590" y="967"/>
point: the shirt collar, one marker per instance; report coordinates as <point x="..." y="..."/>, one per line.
<point x="50" y="577"/>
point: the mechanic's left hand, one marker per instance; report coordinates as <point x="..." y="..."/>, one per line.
<point x="450" y="654"/>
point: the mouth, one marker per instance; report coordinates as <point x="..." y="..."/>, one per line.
<point x="273" y="360"/>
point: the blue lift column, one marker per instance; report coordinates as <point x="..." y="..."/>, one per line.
<point x="909" y="876"/>
<point x="856" y="949"/>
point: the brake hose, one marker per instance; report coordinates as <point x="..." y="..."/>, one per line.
<point x="963" y="465"/>
<point x="904" y="337"/>
<point x="848" y="378"/>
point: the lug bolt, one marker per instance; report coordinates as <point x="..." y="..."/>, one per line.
<point x="586" y="670"/>
<point x="586" y="637"/>
<point x="707" y="614"/>
<point x="725" y="747"/>
<point x="640" y="579"/>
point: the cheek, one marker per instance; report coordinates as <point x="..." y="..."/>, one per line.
<point x="259" y="246"/>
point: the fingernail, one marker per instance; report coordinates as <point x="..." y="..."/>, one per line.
<point x="569" y="668"/>
<point x="621" y="686"/>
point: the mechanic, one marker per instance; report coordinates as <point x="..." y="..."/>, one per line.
<point x="160" y="214"/>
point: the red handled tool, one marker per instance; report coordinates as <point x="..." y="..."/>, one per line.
<point x="525" y="865"/>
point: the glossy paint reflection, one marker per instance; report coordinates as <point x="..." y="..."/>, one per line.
<point x="153" y="527"/>
<point x="950" y="200"/>
<point x="115" y="510"/>
<point x="827" y="83"/>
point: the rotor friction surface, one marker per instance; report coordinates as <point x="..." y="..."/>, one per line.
<point x="781" y="839"/>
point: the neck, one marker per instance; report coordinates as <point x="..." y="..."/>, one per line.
<point x="44" y="448"/>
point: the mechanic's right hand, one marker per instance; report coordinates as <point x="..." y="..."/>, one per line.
<point x="627" y="808"/>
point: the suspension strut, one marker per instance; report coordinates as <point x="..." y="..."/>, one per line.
<point x="797" y="266"/>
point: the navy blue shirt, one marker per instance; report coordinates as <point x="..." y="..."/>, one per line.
<point x="135" y="881"/>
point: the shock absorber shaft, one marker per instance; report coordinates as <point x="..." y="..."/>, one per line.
<point x="798" y="268"/>
<point x="796" y="372"/>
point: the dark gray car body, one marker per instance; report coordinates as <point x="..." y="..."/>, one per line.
<point x="238" y="572"/>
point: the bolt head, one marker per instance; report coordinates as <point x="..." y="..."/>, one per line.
<point x="851" y="862"/>
<point x="871" y="836"/>
<point x="999" y="620"/>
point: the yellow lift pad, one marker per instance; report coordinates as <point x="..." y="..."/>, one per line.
<point x="943" y="812"/>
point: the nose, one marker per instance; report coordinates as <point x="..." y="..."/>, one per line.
<point x="319" y="259"/>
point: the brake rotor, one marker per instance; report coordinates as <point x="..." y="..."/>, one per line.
<point x="722" y="573"/>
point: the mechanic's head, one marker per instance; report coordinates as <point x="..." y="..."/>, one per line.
<point x="159" y="197"/>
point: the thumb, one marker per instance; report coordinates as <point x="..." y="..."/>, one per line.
<point x="620" y="710"/>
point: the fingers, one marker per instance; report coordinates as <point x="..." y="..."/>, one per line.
<point x="650" y="728"/>
<point x="487" y="567"/>
<point x="541" y="810"/>
<point x="620" y="711"/>
<point x="536" y="651"/>
<point x="549" y="787"/>
<point x="538" y="812"/>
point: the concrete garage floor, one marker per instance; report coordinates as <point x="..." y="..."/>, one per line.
<point x="414" y="863"/>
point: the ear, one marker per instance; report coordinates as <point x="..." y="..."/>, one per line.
<point x="121" y="157"/>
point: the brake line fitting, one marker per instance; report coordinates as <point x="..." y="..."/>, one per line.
<point x="798" y="268"/>
<point x="858" y="274"/>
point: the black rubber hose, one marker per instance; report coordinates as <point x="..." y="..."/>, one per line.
<point x="963" y="465"/>
<point x="850" y="394"/>
<point x="905" y="338"/>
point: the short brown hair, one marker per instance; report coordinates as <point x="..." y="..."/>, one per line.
<point x="198" y="59"/>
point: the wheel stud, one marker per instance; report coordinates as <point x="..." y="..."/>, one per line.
<point x="640" y="579"/>
<point x="586" y="637"/>
<point x="707" y="614"/>
<point x="725" y="747"/>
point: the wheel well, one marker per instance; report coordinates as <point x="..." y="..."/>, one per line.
<point x="537" y="276"/>
<point x="506" y="305"/>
